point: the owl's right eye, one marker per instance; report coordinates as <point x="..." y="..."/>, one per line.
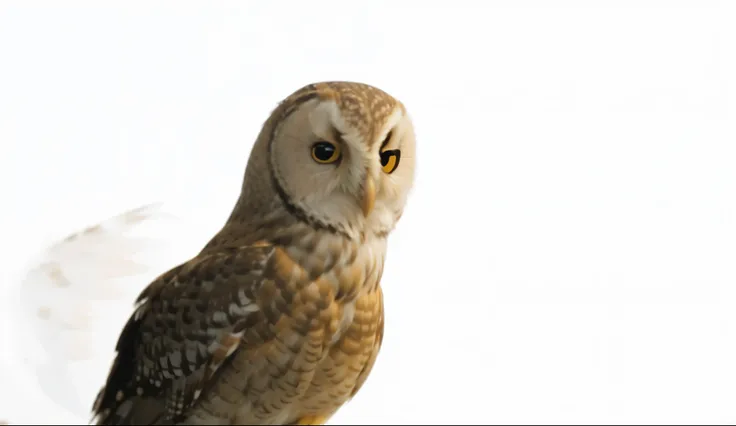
<point x="325" y="152"/>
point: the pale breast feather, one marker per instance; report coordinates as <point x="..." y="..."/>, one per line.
<point x="188" y="323"/>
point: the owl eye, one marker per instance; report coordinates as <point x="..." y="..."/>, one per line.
<point x="325" y="152"/>
<point x="390" y="160"/>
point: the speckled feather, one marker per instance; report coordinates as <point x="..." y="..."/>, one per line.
<point x="278" y="320"/>
<point x="285" y="330"/>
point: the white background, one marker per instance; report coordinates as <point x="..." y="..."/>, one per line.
<point x="568" y="254"/>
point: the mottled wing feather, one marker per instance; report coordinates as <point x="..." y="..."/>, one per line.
<point x="188" y="323"/>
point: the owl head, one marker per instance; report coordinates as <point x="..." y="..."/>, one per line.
<point x="335" y="155"/>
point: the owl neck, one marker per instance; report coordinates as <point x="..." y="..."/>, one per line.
<point x="285" y="228"/>
<point x="349" y="266"/>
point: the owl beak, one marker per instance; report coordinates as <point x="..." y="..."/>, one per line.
<point x="369" y="196"/>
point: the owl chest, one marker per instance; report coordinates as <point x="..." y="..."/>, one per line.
<point x="299" y="374"/>
<point x="347" y="359"/>
<point x="318" y="332"/>
<point x="328" y="285"/>
<point x="332" y="332"/>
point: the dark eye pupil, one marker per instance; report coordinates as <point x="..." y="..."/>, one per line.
<point x="324" y="151"/>
<point x="385" y="156"/>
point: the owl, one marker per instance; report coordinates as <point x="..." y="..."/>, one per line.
<point x="279" y="318"/>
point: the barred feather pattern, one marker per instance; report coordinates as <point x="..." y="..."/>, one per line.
<point x="256" y="333"/>
<point x="279" y="319"/>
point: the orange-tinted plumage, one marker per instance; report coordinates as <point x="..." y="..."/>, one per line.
<point x="279" y="319"/>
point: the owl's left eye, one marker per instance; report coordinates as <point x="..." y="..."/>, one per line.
<point x="325" y="152"/>
<point x="390" y="160"/>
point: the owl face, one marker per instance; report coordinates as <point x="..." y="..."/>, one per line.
<point x="343" y="157"/>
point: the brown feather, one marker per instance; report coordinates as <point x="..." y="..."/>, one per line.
<point x="279" y="319"/>
<point x="188" y="323"/>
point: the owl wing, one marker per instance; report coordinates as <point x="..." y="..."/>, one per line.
<point x="58" y="308"/>
<point x="189" y="322"/>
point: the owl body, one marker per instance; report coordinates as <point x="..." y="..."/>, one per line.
<point x="279" y="319"/>
<point x="321" y="341"/>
